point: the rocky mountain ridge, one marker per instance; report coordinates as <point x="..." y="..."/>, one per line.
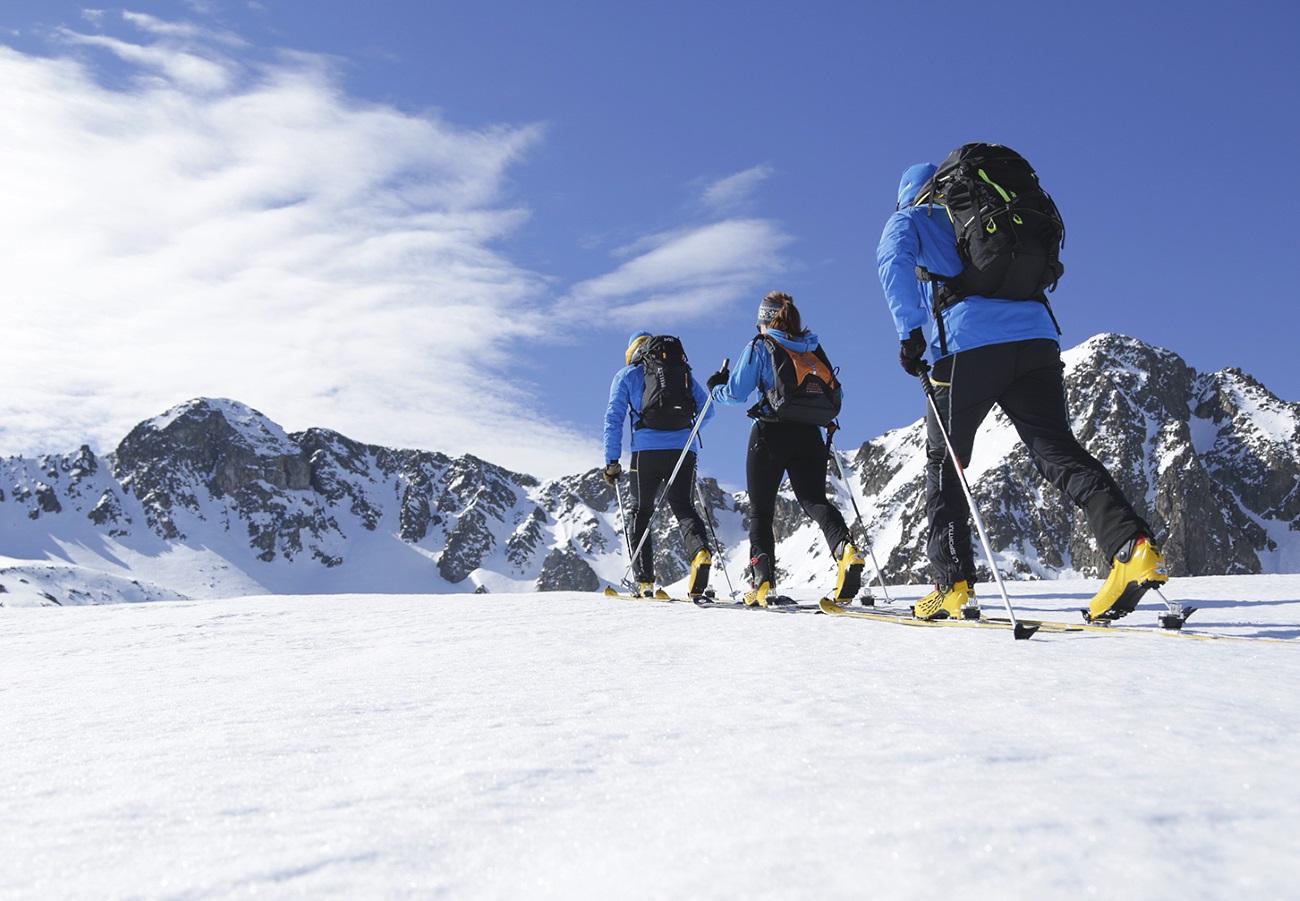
<point x="212" y="498"/>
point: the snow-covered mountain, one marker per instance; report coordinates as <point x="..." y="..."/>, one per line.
<point x="1212" y="461"/>
<point x="212" y="498"/>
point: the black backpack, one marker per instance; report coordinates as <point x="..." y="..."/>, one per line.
<point x="668" y="404"/>
<point x="1009" y="232"/>
<point x="805" y="388"/>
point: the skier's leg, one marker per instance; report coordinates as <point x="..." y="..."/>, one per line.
<point x="808" y="481"/>
<point x="964" y="391"/>
<point x="647" y="474"/>
<point x="1036" y="405"/>
<point x="763" y="472"/>
<point x="680" y="500"/>
<point x="699" y="557"/>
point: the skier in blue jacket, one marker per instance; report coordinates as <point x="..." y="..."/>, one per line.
<point x="777" y="448"/>
<point x="655" y="452"/>
<point x="1002" y="352"/>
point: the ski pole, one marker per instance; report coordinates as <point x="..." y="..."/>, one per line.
<point x="627" y="538"/>
<point x="839" y="467"/>
<point x="708" y="520"/>
<point x="699" y="421"/>
<point x="622" y="517"/>
<point x="1019" y="629"/>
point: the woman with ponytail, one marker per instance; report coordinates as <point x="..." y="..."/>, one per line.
<point x="784" y="443"/>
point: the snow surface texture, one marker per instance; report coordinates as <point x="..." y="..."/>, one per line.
<point x="573" y="746"/>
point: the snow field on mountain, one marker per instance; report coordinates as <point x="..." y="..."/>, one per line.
<point x="570" y="745"/>
<point x="213" y="499"/>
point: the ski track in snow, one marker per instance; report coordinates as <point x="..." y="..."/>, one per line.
<point x="575" y="746"/>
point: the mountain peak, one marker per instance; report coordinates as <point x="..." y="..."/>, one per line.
<point x="233" y="420"/>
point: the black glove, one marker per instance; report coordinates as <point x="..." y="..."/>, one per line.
<point x="911" y="353"/>
<point x="721" y="377"/>
<point x="613" y="471"/>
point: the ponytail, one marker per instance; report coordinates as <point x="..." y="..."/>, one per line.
<point x="787" y="318"/>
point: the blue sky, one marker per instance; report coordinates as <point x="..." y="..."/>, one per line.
<point x="434" y="224"/>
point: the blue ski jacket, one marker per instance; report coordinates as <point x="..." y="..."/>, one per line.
<point x="923" y="235"/>
<point x="625" y="395"/>
<point x="753" y="371"/>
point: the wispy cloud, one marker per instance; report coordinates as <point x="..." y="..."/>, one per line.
<point x="727" y="195"/>
<point x="222" y="228"/>
<point x="678" y="274"/>
<point x="675" y="274"/>
<point x="187" y="216"/>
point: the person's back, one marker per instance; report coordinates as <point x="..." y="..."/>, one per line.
<point x="920" y="233"/>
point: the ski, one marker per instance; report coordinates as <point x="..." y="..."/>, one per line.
<point x="1194" y="635"/>
<point x="904" y="617"/>
<point x="707" y="602"/>
<point x="771" y="608"/>
<point x="1093" y="625"/>
<point x="659" y="595"/>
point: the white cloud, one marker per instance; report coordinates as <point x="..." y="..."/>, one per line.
<point x="224" y="230"/>
<point x="186" y="30"/>
<point x="211" y="226"/>
<point x="733" y="192"/>
<point x="676" y="274"/>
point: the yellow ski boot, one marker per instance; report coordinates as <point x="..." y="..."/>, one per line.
<point x="848" y="579"/>
<point x="758" y="596"/>
<point x="946" y="601"/>
<point x="1138" y="567"/>
<point x="699" y="573"/>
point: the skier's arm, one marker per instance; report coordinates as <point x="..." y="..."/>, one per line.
<point x="615" y="413"/>
<point x="743" y="381"/>
<point x="896" y="260"/>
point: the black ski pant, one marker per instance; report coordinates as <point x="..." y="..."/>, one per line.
<point x="650" y="470"/>
<point x="777" y="449"/>
<point x="1025" y="379"/>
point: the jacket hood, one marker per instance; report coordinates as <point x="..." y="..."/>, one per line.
<point x="914" y="178"/>
<point x="634" y="344"/>
<point x="801" y="344"/>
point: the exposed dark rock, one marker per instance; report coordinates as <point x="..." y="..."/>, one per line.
<point x="564" y="570"/>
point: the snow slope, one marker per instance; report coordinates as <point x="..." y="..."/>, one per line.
<point x="572" y="746"/>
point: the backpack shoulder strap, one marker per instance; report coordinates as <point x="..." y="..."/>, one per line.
<point x="831" y="367"/>
<point x="633" y="414"/>
<point x="761" y="343"/>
